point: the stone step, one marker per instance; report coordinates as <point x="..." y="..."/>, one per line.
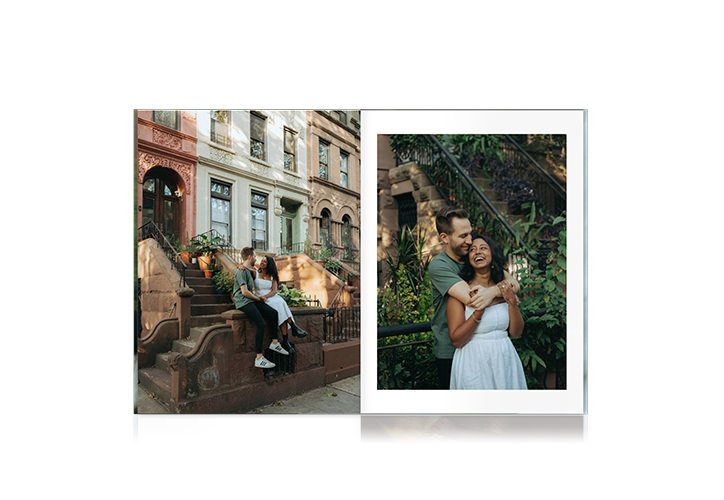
<point x="206" y="320"/>
<point x="156" y="381"/>
<point x="203" y="289"/>
<point x="210" y="298"/>
<point x="194" y="273"/>
<point x="205" y="309"/>
<point x="199" y="282"/>
<point x="162" y="362"/>
<point x="183" y="346"/>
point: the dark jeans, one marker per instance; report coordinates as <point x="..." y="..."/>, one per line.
<point x="258" y="312"/>
<point x="444" y="367"/>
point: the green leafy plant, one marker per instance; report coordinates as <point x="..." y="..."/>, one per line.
<point x="542" y="347"/>
<point x="292" y="296"/>
<point x="224" y="281"/>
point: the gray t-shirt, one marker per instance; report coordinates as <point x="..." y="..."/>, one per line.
<point x="242" y="277"/>
<point x="444" y="273"/>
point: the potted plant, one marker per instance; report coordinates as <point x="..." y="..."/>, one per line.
<point x="224" y="282"/>
<point x="206" y="247"/>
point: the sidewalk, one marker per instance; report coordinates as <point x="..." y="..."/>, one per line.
<point x="340" y="397"/>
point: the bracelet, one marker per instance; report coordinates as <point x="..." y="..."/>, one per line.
<point x="476" y="320"/>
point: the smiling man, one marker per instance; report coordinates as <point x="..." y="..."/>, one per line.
<point x="454" y="230"/>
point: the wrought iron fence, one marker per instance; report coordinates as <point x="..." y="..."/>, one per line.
<point x="548" y="190"/>
<point x="341" y="324"/>
<point x="406" y="365"/>
<point x="456" y="186"/>
<point x="151" y="230"/>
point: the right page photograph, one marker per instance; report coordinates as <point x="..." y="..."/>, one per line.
<point x="480" y="262"/>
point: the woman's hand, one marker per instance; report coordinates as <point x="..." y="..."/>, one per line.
<point x="506" y="289"/>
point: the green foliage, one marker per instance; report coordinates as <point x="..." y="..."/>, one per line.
<point x="292" y="296"/>
<point x="404" y="298"/>
<point x="542" y="346"/>
<point x="224" y="281"/>
<point x="206" y="245"/>
<point x="486" y="145"/>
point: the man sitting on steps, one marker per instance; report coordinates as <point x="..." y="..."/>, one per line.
<point x="255" y="308"/>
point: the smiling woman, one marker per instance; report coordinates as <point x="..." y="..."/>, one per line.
<point x="484" y="356"/>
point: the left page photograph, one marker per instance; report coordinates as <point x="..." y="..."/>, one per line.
<point x="247" y="261"/>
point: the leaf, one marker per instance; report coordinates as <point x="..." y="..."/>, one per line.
<point x="562" y="263"/>
<point x="561" y="278"/>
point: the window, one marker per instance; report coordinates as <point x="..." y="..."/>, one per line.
<point x="166" y="118"/>
<point x="406" y="211"/>
<point x="258" y="136"/>
<point x="346" y="231"/>
<point x="343" y="169"/>
<point x="341" y="116"/>
<point x="258" y="220"/>
<point x="323" y="160"/>
<point x="290" y="147"/>
<point x="324" y="228"/>
<point x="221" y="208"/>
<point x="220" y="126"/>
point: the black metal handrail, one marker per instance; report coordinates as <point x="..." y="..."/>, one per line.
<point x="551" y="194"/>
<point x="151" y="230"/>
<point x="456" y="186"/>
<point x="420" y="374"/>
<point x="341" y="324"/>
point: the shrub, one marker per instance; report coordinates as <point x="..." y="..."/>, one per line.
<point x="292" y="296"/>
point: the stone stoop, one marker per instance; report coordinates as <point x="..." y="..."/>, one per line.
<point x="484" y="184"/>
<point x="206" y="309"/>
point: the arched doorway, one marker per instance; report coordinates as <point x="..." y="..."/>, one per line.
<point x="162" y="192"/>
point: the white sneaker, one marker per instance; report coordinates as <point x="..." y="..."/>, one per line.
<point x="263" y="363"/>
<point x="277" y="347"/>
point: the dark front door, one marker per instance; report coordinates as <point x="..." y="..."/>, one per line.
<point x="161" y="203"/>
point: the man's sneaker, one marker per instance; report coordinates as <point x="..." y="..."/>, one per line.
<point x="263" y="363"/>
<point x="277" y="347"/>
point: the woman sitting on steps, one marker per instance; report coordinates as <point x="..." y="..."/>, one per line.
<point x="266" y="284"/>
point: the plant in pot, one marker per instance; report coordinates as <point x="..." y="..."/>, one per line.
<point x="224" y="282"/>
<point x="206" y="247"/>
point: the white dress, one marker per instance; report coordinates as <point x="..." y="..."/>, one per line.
<point x="262" y="287"/>
<point x="488" y="360"/>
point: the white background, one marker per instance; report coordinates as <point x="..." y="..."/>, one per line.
<point x="649" y="74"/>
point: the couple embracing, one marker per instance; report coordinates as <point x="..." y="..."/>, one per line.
<point x="476" y="309"/>
<point x="255" y="293"/>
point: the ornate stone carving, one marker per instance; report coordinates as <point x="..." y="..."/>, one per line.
<point x="293" y="180"/>
<point x="166" y="139"/>
<point x="260" y="169"/>
<point x="220" y="155"/>
<point x="147" y="161"/>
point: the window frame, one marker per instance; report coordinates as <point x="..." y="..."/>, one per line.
<point x="213" y="135"/>
<point x="220" y="196"/>
<point x="293" y="153"/>
<point x="265" y="207"/>
<point x="326" y="144"/>
<point x="255" y="115"/>
<point x="344" y="154"/>
<point x="177" y="121"/>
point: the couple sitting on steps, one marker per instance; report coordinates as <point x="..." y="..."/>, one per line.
<point x="255" y="287"/>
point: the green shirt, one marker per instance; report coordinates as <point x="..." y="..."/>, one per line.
<point x="444" y="273"/>
<point x="242" y="277"/>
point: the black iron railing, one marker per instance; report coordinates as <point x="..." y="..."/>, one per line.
<point x="341" y="324"/>
<point x="406" y="365"/>
<point x="151" y="230"/>
<point x="456" y="186"/>
<point x="551" y="194"/>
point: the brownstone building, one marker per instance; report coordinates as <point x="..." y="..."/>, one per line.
<point x="333" y="150"/>
<point x="166" y="171"/>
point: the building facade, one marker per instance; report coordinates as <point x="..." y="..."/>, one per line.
<point x="252" y="177"/>
<point x="166" y="171"/>
<point x="334" y="176"/>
